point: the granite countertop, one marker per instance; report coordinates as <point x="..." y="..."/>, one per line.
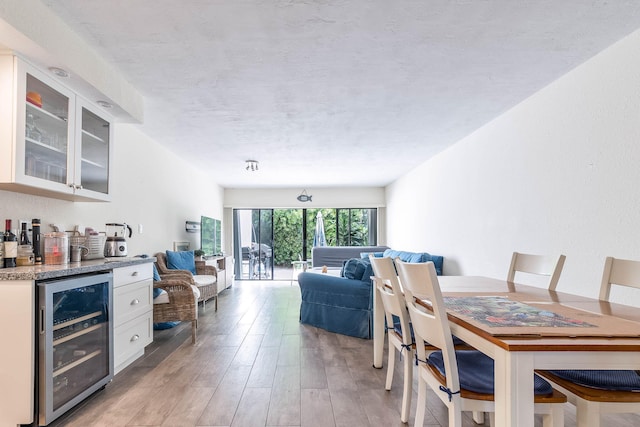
<point x="42" y="272"/>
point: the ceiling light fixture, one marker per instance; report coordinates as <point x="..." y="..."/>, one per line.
<point x="251" y="165"/>
<point x="104" y="104"/>
<point x="59" y="72"/>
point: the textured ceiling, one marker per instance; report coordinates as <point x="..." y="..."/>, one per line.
<point x="333" y="92"/>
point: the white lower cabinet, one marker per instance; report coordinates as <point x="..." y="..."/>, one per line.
<point x="132" y="313"/>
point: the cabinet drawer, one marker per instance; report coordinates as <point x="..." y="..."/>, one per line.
<point x="134" y="273"/>
<point x="132" y="301"/>
<point x="131" y="338"/>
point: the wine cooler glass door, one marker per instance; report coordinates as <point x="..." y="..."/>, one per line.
<point x="75" y="345"/>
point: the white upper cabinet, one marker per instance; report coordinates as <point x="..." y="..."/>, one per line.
<point x="52" y="142"/>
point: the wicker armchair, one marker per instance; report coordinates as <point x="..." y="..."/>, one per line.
<point x="206" y="278"/>
<point x="182" y="305"/>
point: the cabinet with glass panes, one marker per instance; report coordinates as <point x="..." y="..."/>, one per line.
<point x="53" y="142"/>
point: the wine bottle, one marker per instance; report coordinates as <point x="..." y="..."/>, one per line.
<point x="24" y="235"/>
<point x="35" y="230"/>
<point x="1" y="250"/>
<point x="10" y="246"/>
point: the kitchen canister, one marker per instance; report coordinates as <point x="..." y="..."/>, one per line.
<point x="56" y="248"/>
<point x="25" y="255"/>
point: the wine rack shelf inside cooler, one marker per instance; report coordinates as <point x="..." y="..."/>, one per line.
<point x="76" y="340"/>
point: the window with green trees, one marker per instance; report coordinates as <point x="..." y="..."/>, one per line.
<point x="289" y="233"/>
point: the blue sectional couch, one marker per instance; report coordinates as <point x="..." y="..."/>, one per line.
<point x="345" y="304"/>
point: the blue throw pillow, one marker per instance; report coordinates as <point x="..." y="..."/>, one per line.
<point x="183" y="260"/>
<point x="164" y="325"/>
<point x="353" y="269"/>
<point x="368" y="270"/>
<point x="156" y="275"/>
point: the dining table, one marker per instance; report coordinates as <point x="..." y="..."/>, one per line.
<point x="524" y="328"/>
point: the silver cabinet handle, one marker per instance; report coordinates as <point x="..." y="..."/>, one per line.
<point x="135" y="301"/>
<point x="136" y="337"/>
<point x="134" y="274"/>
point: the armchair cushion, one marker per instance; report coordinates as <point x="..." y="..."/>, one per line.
<point x="156" y="275"/>
<point x="182" y="260"/>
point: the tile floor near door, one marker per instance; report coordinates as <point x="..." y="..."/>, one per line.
<point x="255" y="365"/>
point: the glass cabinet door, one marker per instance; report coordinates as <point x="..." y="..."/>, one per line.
<point x="46" y="132"/>
<point x="94" y="152"/>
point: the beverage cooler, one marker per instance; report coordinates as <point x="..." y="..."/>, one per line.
<point x="75" y="341"/>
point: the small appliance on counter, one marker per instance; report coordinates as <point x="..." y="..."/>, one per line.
<point x="116" y="244"/>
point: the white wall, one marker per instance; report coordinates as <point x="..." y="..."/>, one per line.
<point x="559" y="173"/>
<point x="151" y="186"/>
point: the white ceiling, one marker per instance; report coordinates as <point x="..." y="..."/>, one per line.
<point x="335" y="92"/>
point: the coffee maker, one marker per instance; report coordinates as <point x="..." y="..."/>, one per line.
<point x="116" y="245"/>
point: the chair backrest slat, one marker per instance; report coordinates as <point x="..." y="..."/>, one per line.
<point x="387" y="285"/>
<point x="542" y="265"/>
<point x="622" y="272"/>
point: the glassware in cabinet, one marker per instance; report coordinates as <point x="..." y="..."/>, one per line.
<point x="46" y="133"/>
<point x="95" y="149"/>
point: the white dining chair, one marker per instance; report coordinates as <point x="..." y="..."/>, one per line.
<point x="541" y="265"/>
<point x="399" y="335"/>
<point x="463" y="379"/>
<point x="597" y="392"/>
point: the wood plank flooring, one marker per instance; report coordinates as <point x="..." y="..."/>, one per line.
<point x="255" y="365"/>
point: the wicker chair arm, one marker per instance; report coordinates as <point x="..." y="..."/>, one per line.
<point x="184" y="275"/>
<point x="178" y="290"/>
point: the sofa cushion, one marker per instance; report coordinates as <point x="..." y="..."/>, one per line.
<point x="417" y="257"/>
<point x="365" y="255"/>
<point x="182" y="260"/>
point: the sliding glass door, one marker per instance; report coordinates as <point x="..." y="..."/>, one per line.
<point x="266" y="241"/>
<point x="253" y="244"/>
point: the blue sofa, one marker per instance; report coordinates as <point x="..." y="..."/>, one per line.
<point x="345" y="304"/>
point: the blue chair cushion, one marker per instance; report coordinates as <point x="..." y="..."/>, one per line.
<point x="602" y="379"/>
<point x="397" y="326"/>
<point x="182" y="260"/>
<point x="475" y="370"/>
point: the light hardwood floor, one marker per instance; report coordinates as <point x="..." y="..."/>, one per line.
<point x="255" y="365"/>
